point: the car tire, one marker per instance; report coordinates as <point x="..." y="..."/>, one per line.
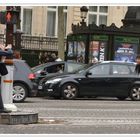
<point x="20" y="92"/>
<point x="69" y="91"/>
<point x="135" y="93"/>
<point x="121" y="98"/>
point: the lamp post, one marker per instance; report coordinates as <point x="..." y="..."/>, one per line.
<point x="84" y="11"/>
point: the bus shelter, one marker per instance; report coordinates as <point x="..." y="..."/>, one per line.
<point x="87" y="42"/>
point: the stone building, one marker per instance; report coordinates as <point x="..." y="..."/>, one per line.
<point x="43" y="20"/>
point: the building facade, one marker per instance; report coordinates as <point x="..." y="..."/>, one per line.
<point x="40" y="26"/>
<point x="43" y="20"/>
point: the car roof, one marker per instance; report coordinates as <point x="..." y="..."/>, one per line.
<point x="120" y="62"/>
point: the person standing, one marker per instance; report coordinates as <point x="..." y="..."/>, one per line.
<point x="137" y="68"/>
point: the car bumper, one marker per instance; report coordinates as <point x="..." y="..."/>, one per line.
<point x="34" y="90"/>
<point x="51" y="90"/>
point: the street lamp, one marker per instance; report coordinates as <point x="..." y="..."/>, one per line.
<point x="84" y="12"/>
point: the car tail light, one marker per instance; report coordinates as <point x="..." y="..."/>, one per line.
<point x="31" y="76"/>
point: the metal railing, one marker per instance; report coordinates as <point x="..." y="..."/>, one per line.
<point x="36" y="42"/>
<point x="2" y="39"/>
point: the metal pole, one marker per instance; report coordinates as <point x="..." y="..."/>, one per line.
<point x="7" y="87"/>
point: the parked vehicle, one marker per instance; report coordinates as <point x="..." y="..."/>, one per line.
<point x="47" y="77"/>
<point x="23" y="84"/>
<point x="52" y="69"/>
<point x="106" y="79"/>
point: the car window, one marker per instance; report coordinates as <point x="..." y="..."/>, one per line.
<point x="55" y="68"/>
<point x="73" y="67"/>
<point x="38" y="68"/>
<point x="100" y="70"/>
<point x="120" y="69"/>
<point x="132" y="68"/>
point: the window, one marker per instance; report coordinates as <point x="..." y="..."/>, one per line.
<point x="98" y="15"/>
<point x="102" y="19"/>
<point x="27" y="21"/>
<point x="92" y="18"/>
<point x="58" y="68"/>
<point x="73" y="67"/>
<point x="132" y="68"/>
<point x="100" y="70"/>
<point x="93" y="8"/>
<point x="120" y="69"/>
<point x="52" y="20"/>
<point x="103" y="9"/>
<point x="51" y="23"/>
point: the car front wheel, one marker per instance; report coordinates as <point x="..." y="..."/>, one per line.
<point x="135" y="93"/>
<point x="19" y="92"/>
<point x="69" y="91"/>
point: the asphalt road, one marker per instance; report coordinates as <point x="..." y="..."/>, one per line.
<point x="81" y="116"/>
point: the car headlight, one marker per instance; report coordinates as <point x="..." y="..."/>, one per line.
<point x="53" y="81"/>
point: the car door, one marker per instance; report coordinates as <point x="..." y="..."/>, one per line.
<point x="96" y="83"/>
<point x="120" y="80"/>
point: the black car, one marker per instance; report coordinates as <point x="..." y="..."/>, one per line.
<point x="48" y="70"/>
<point x="75" y="68"/>
<point x="106" y="79"/>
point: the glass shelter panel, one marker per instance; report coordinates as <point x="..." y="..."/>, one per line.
<point x="125" y="48"/>
<point x="76" y="48"/>
<point x="98" y="48"/>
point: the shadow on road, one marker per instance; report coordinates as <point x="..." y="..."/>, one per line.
<point x="91" y="98"/>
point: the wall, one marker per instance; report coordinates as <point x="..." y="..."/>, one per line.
<point x="116" y="14"/>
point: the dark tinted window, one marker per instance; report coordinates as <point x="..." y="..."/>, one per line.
<point x="55" y="68"/>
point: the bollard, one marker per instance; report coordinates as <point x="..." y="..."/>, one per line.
<point x="7" y="87"/>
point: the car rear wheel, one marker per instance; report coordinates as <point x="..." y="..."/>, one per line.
<point x="69" y="91"/>
<point x="135" y="93"/>
<point x="19" y="92"/>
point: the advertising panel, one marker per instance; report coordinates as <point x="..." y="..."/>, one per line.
<point x="97" y="49"/>
<point x="126" y="48"/>
<point x="76" y="48"/>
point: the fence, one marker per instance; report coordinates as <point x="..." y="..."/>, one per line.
<point x="36" y="42"/>
<point x="35" y="45"/>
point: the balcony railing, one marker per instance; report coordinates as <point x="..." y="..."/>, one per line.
<point x="36" y="42"/>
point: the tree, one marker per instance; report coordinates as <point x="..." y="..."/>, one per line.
<point x="61" y="47"/>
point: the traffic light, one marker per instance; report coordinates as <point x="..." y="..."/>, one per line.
<point x="10" y="16"/>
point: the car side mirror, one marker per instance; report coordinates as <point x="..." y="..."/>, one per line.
<point x="88" y="73"/>
<point x="43" y="72"/>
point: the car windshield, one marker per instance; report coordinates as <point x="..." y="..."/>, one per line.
<point x="38" y="68"/>
<point x="83" y="68"/>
